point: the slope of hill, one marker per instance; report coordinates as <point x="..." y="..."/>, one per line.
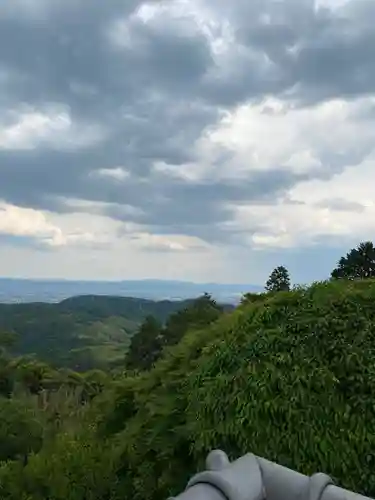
<point x="290" y="377"/>
<point x="81" y="332"/>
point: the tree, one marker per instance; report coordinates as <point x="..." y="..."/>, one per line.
<point x="200" y="313"/>
<point x="279" y="280"/>
<point x="146" y="345"/>
<point x="20" y="430"/>
<point x="359" y="263"/>
<point x="7" y="340"/>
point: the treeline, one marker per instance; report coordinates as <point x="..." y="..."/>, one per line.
<point x="358" y="263"/>
<point x="288" y="375"/>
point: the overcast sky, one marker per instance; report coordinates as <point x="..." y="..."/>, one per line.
<point x="204" y="140"/>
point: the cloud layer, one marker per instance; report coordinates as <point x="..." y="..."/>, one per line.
<point x="199" y="139"/>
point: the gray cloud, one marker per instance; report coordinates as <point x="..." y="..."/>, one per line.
<point x="297" y="50"/>
<point x="156" y="94"/>
<point x="342" y="205"/>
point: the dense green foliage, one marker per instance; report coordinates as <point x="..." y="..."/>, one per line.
<point x="20" y="431"/>
<point x="359" y="263"/>
<point x="148" y="344"/>
<point x="290" y="377"/>
<point x="81" y="333"/>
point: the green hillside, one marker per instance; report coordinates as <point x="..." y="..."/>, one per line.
<point x="289" y="376"/>
<point x="81" y="332"/>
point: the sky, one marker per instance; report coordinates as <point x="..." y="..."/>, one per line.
<point x="199" y="140"/>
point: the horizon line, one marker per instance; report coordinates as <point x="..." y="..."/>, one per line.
<point x="124" y="280"/>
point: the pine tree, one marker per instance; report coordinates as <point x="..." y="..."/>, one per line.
<point x="279" y="280"/>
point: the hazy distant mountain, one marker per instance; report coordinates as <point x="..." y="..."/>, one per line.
<point x="25" y="290"/>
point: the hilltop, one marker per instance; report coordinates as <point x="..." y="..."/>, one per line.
<point x="81" y="332"/>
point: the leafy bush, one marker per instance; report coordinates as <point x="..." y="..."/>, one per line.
<point x="20" y="430"/>
<point x="76" y="467"/>
<point x="291" y="379"/>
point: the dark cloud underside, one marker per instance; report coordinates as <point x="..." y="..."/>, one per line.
<point x="154" y="94"/>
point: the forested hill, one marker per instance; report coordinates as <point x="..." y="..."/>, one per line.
<point x="81" y="332"/>
<point x="289" y="375"/>
<point x="134" y="309"/>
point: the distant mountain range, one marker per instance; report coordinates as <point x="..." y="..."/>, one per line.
<point x="31" y="290"/>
